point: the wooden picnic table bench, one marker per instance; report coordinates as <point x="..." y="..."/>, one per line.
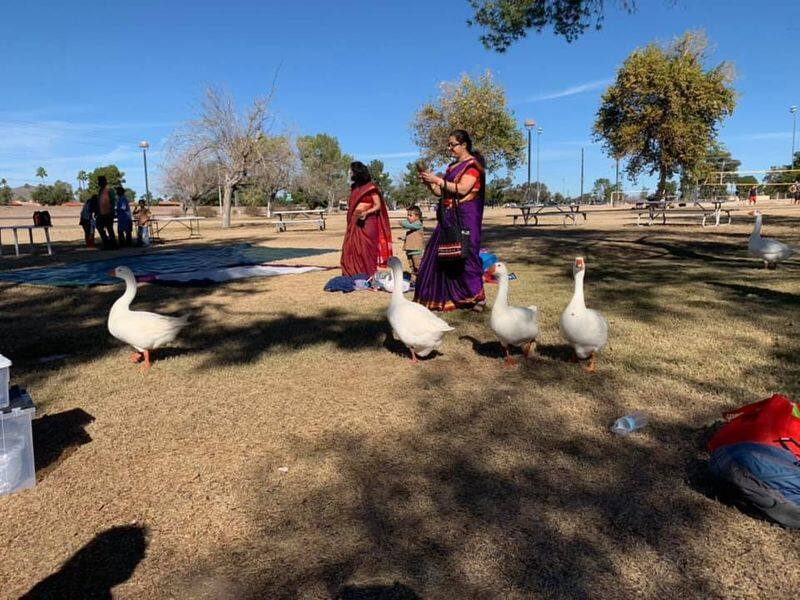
<point x="30" y="228"/>
<point x="299" y="217"/>
<point x="191" y="223"/>
<point x="530" y="212"/>
<point x="705" y="210"/>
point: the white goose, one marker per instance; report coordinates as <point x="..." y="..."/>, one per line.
<point x="145" y="331"/>
<point x="413" y="324"/>
<point x="769" y="250"/>
<point x="513" y="325"/>
<point x="585" y="329"/>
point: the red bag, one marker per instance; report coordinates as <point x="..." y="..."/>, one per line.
<point x="774" y="422"/>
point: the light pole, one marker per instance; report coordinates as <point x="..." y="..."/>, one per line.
<point x="793" y="111"/>
<point x="529" y="125"/>
<point x="581" y="196"/>
<point x="538" y="147"/>
<point x="144" y="145"/>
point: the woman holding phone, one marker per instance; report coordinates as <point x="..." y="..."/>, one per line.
<point x="450" y="284"/>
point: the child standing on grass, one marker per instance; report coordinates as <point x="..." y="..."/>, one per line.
<point x="413" y="240"/>
<point x="142" y="215"/>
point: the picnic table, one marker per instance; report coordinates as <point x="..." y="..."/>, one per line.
<point x="30" y="228"/>
<point x="189" y="222"/>
<point x="704" y="209"/>
<point x="534" y="211"/>
<point x="299" y="217"/>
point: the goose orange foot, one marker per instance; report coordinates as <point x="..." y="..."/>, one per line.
<point x="146" y="364"/>
<point x="509" y="362"/>
<point x="592" y="366"/>
<point x="527" y="349"/>
<point x="136" y="357"/>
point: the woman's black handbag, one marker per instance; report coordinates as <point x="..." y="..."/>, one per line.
<point x="454" y="238"/>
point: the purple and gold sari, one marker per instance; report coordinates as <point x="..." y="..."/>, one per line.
<point x="449" y="285"/>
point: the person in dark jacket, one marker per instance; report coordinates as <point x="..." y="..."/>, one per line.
<point x="124" y="218"/>
<point x="106" y="200"/>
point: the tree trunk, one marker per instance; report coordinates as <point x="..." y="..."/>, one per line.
<point x="662" y="184"/>
<point x="227" y="193"/>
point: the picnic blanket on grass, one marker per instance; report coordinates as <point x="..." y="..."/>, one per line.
<point x="156" y="265"/>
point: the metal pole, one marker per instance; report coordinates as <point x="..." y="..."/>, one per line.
<point x="538" y="148"/>
<point x="793" y="110"/>
<point x="581" y="196"/>
<point x="616" y="184"/>
<point x="146" y="183"/>
<point x="528" y="188"/>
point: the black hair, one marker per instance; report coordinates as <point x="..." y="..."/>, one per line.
<point x="360" y="174"/>
<point x="463" y="137"/>
<point x="120" y="190"/>
<point x="415" y="210"/>
<point x="102" y="181"/>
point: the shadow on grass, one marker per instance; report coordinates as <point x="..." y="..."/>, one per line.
<point x="107" y="561"/>
<point x="57" y="436"/>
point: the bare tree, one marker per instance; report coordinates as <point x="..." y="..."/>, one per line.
<point x="228" y="138"/>
<point x="189" y="177"/>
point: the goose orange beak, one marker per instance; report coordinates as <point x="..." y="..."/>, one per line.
<point x="111" y="273"/>
<point x="491" y="270"/>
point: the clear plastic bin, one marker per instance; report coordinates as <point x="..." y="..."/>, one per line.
<point x="5" y="377"/>
<point x="17" y="470"/>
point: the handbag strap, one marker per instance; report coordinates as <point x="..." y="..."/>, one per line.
<point x="455" y="204"/>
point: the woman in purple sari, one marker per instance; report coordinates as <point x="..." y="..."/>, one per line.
<point x="448" y="285"/>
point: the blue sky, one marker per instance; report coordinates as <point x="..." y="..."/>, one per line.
<point x="84" y="81"/>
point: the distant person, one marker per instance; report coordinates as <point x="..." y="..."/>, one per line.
<point x="106" y="200"/>
<point x="87" y="220"/>
<point x="794" y="190"/>
<point x="413" y="240"/>
<point x="142" y="215"/>
<point x="124" y="218"/>
<point x="367" y="241"/>
<point x="752" y="197"/>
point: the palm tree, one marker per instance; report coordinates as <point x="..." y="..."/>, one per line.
<point x="83" y="177"/>
<point x="3" y="182"/>
<point x="40" y="172"/>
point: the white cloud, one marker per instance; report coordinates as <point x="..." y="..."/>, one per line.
<point x="571" y="91"/>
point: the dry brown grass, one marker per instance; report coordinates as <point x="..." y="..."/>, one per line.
<point x="456" y="478"/>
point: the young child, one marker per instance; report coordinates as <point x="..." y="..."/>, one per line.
<point x="142" y="215"/>
<point x="414" y="239"/>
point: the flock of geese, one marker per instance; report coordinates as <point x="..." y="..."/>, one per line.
<point x="420" y="330"/>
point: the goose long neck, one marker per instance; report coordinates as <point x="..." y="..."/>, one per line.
<point x="125" y="300"/>
<point x="502" y="291"/>
<point x="757" y="228"/>
<point x="577" y="295"/>
<point x="397" y="280"/>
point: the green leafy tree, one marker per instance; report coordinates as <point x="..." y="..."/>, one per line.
<point x="112" y="174"/>
<point x="602" y="189"/>
<point x="663" y="110"/>
<point x="521" y="194"/>
<point x="479" y="106"/>
<point x="780" y="182"/>
<point x="52" y="195"/>
<point x="41" y="173"/>
<point x="323" y="179"/>
<point x="559" y="198"/>
<point x="507" y="21"/>
<point x="496" y="189"/>
<point x="714" y="176"/>
<point x="6" y="194"/>
<point x="383" y="180"/>
<point x="411" y="191"/>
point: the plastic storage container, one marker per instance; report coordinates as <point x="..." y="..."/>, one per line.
<point x="5" y="376"/>
<point x="17" y="470"/>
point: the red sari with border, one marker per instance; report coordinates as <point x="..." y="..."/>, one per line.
<point x="367" y="243"/>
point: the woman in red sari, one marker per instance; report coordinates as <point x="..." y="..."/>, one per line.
<point x="368" y="238"/>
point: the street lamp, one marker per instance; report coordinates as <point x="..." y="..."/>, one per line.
<point x="793" y="111"/>
<point x="144" y="145"/>
<point x="529" y="125"/>
<point x="538" y="147"/>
